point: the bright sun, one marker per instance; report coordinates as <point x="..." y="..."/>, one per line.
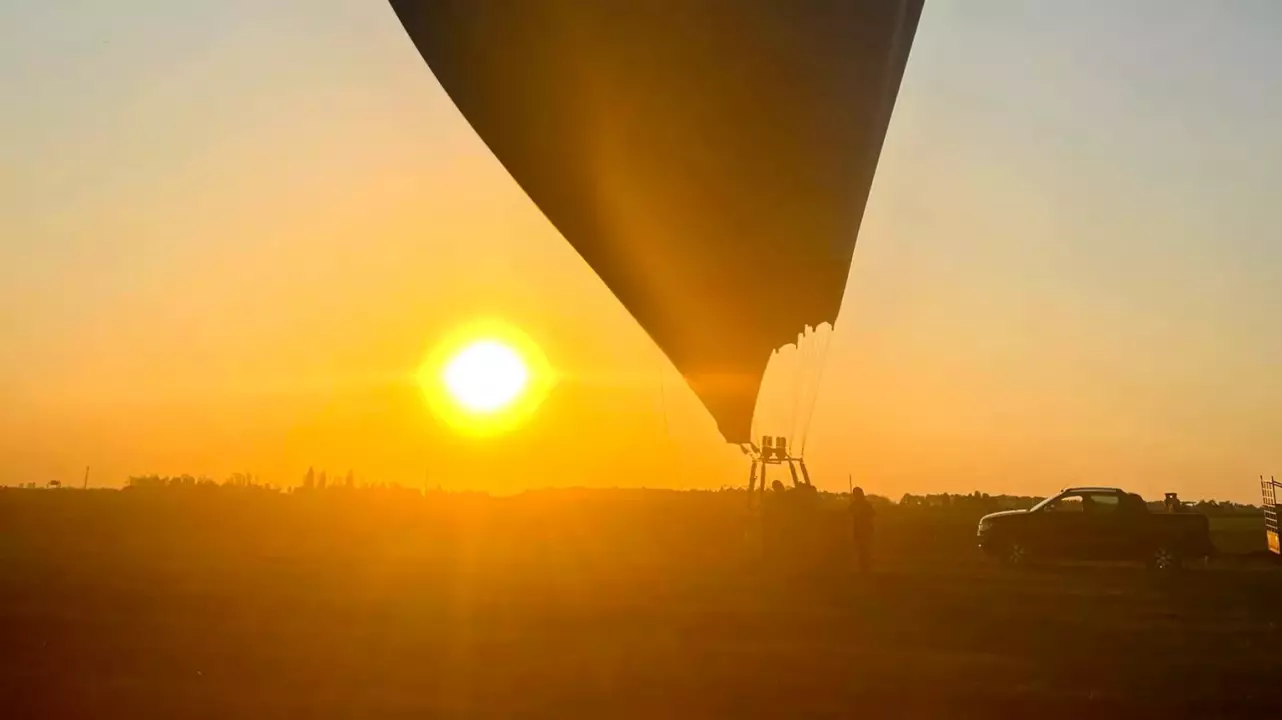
<point x="486" y="376"/>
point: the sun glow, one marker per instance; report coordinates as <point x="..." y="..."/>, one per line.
<point x="486" y="378"/>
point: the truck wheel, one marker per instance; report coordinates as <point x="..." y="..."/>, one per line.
<point x="1165" y="559"/>
<point x="1015" y="554"/>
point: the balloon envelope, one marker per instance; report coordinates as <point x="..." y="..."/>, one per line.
<point x="709" y="159"/>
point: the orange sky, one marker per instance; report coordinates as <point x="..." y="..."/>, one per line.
<point x="234" y="231"/>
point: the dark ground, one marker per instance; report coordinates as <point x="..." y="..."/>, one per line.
<point x="606" y="604"/>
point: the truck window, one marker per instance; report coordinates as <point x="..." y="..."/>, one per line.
<point x="1068" y="503"/>
<point x="1104" y="502"/>
<point x="1086" y="502"/>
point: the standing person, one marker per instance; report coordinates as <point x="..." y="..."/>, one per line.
<point x="774" y="520"/>
<point x="861" y="515"/>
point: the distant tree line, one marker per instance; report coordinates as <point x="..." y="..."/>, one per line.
<point x="1219" y="507"/>
<point x="973" y="501"/>
<point x="235" y="480"/>
<point x="994" y="503"/>
<point x="320" y="481"/>
<point x="314" y="482"/>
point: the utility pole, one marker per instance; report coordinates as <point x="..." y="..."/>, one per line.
<point x="85" y="484"/>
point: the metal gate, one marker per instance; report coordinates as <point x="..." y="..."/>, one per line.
<point x="1269" y="488"/>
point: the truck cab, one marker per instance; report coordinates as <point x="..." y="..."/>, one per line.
<point x="1095" y="524"/>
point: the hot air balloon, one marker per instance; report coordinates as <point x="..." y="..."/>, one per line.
<point x="709" y="159"/>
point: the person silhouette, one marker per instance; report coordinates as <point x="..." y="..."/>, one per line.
<point x="861" y="516"/>
<point x="774" y="518"/>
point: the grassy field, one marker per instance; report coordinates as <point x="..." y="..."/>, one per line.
<point x="600" y="604"/>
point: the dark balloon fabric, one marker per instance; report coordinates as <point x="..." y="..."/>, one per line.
<point x="709" y="159"/>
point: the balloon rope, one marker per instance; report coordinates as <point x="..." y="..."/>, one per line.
<point x="800" y="387"/>
<point x="814" y="397"/>
<point x="663" y="399"/>
<point x="798" y="367"/>
<point x="808" y="373"/>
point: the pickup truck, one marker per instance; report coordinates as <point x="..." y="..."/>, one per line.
<point x="1095" y="523"/>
